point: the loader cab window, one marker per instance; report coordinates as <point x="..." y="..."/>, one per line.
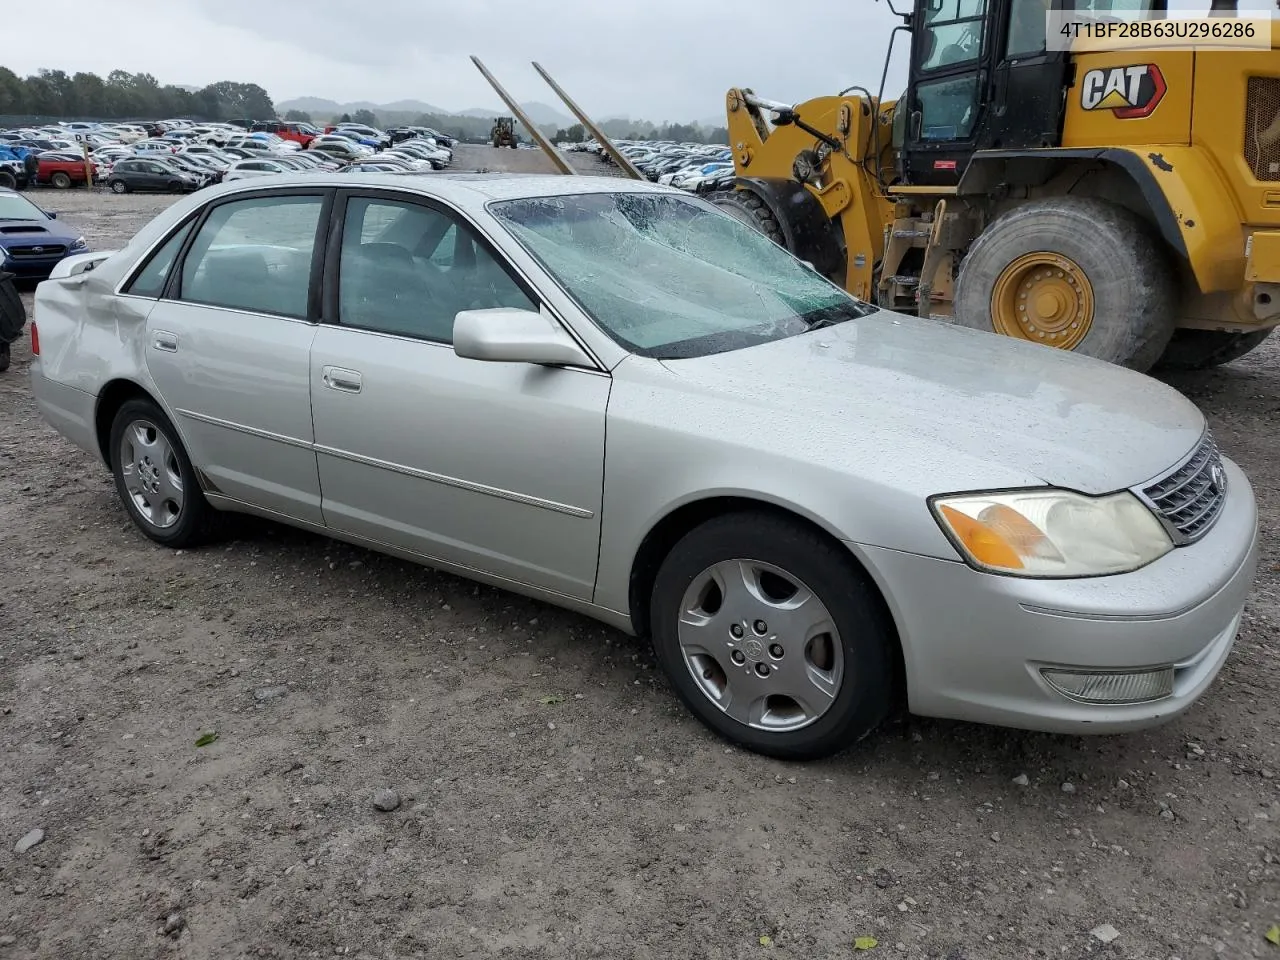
<point x="948" y="108"/>
<point x="1027" y="22"/>
<point x="951" y="33"/>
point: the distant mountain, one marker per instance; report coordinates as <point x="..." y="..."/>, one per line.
<point x="539" y="113"/>
<point x="544" y="116"/>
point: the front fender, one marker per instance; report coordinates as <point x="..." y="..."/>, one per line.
<point x="1189" y="202"/>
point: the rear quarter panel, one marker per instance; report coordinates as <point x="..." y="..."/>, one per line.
<point x="89" y="337"/>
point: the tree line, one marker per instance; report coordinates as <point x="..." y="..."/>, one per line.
<point x="127" y="96"/>
<point x="138" y="96"/>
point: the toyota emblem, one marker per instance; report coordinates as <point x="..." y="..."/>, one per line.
<point x="37" y="249"/>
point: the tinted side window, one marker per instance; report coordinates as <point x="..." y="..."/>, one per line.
<point x="952" y="32"/>
<point x="1026" y="28"/>
<point x="409" y="269"/>
<point x="151" y="280"/>
<point x="948" y="107"/>
<point x="255" y="255"/>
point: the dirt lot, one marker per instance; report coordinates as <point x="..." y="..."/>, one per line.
<point x="604" y="824"/>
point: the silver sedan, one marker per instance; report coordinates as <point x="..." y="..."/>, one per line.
<point x="616" y="398"/>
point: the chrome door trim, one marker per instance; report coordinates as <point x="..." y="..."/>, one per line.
<point x="448" y="481"/>
<point x="512" y="495"/>
<point x="243" y="428"/>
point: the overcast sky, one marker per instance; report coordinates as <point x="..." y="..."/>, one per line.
<point x="656" y="60"/>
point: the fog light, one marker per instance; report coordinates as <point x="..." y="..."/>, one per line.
<point x="1111" y="687"/>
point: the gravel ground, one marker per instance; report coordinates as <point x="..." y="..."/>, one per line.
<point x="408" y="765"/>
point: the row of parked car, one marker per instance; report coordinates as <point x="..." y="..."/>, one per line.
<point x="181" y="156"/>
<point x="696" y="167"/>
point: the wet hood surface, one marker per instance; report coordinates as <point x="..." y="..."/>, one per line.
<point x="1064" y="419"/>
<point x="26" y="232"/>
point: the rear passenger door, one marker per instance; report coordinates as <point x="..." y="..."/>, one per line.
<point x="229" y="343"/>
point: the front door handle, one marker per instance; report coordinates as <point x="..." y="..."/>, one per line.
<point x="339" y="378"/>
<point x="166" y="341"/>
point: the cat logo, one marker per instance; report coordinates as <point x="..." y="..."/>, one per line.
<point x="1130" y="93"/>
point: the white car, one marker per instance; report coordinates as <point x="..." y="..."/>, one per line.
<point x="408" y="159"/>
<point x="156" y="146"/>
<point x="244" y="169"/>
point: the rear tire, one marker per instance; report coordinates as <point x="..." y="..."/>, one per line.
<point x="155" y="480"/>
<point x="1133" y="286"/>
<point x="725" y="661"/>
<point x="1202" y="349"/>
<point x="61" y="180"/>
<point x="5" y="357"/>
<point x="750" y="209"/>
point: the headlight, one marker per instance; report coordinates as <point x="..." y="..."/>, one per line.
<point x="79" y="243"/>
<point x="1052" y="533"/>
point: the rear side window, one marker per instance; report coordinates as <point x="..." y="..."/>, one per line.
<point x="255" y="255"/>
<point x="152" y="278"/>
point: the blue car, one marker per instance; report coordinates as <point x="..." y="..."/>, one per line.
<point x="31" y="240"/>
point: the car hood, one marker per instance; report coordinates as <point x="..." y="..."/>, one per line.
<point x="33" y="231"/>
<point x="965" y="405"/>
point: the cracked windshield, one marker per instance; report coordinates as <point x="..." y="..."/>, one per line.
<point x="667" y="278"/>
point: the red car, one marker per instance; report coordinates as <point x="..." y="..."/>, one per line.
<point x="302" y="133"/>
<point x="62" y="170"/>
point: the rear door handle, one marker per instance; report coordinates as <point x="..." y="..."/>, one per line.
<point x="339" y="378"/>
<point x="166" y="341"/>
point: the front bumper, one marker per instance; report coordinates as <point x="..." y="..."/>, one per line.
<point x="33" y="268"/>
<point x="974" y="643"/>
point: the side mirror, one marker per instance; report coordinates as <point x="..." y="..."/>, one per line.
<point x="510" y="335"/>
<point x="52" y="215"/>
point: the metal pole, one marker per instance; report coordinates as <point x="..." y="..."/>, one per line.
<point x="561" y="163"/>
<point x="619" y="158"/>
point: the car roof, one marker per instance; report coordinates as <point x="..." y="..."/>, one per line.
<point x="472" y="189"/>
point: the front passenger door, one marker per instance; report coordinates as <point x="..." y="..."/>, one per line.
<point x="496" y="467"/>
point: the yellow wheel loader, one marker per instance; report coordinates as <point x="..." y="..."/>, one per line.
<point x="1123" y="203"/>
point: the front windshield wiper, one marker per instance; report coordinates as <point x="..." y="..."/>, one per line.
<point x="832" y="314"/>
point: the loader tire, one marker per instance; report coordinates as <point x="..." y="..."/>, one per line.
<point x="1202" y="349"/>
<point x="1095" y="279"/>
<point x="750" y="209"/>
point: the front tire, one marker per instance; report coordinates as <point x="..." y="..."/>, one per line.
<point x="1075" y="273"/>
<point x="1202" y="349"/>
<point x="8" y="181"/>
<point x="119" y="186"/>
<point x="750" y="209"/>
<point x="155" y="480"/>
<point x="773" y="636"/>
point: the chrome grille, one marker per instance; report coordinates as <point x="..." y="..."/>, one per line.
<point x="1189" y="499"/>
<point x="1262" y="127"/>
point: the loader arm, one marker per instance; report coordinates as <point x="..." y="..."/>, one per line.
<point x="601" y="138"/>
<point x="560" y="162"/>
